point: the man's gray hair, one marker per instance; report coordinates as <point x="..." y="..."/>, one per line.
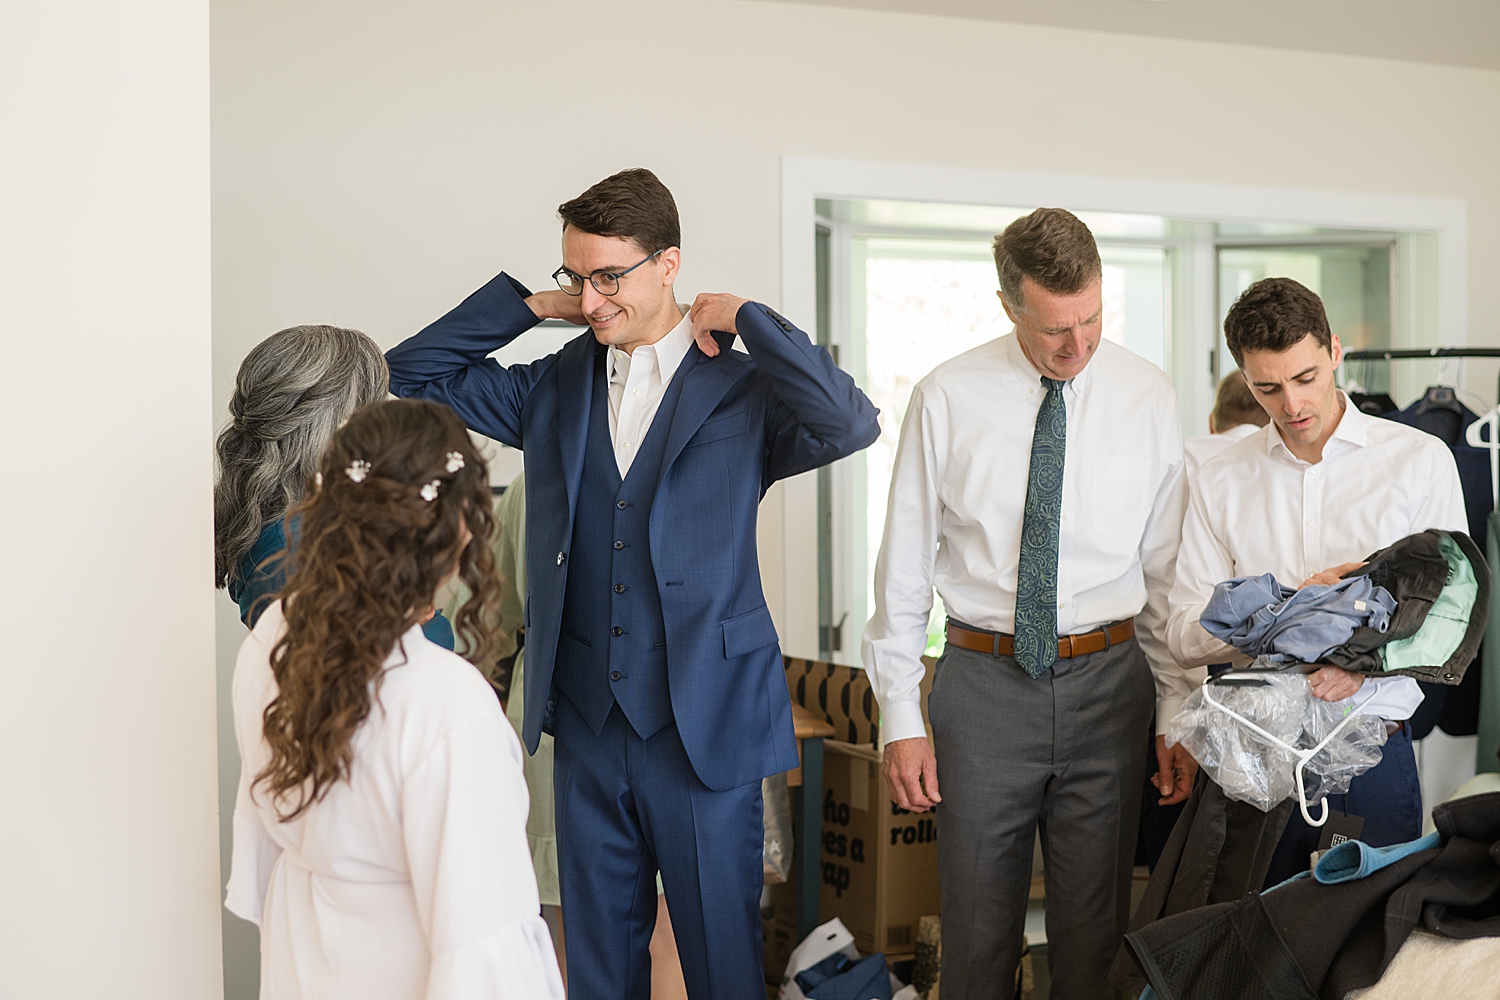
<point x="292" y="392"/>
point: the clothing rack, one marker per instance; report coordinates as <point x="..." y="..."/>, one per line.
<point x="1474" y="434"/>
<point x="1426" y="354"/>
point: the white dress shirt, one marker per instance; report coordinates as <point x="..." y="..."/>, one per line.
<point x="637" y="383"/>
<point x="958" y="491"/>
<point x="1257" y="508"/>
<point x="1197" y="450"/>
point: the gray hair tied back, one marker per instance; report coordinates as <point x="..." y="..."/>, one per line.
<point x="293" y="391"/>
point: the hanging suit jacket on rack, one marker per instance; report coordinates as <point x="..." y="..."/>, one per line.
<point x="1455" y="710"/>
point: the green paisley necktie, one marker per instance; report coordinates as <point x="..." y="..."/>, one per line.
<point x="1036" y="581"/>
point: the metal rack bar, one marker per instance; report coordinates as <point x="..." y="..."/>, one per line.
<point x="1426" y="354"/>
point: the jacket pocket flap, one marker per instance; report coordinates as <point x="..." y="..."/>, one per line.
<point x="720" y="427"/>
<point x="749" y="631"/>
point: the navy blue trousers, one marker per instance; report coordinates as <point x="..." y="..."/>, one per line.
<point x="626" y="808"/>
<point x="1388" y="797"/>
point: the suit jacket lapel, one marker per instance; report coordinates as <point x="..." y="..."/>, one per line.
<point x="703" y="385"/>
<point x="575" y="387"/>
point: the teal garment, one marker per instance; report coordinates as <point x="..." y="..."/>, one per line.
<point x="1446" y="624"/>
<point x="1354" y="859"/>
<point x="261" y="573"/>
<point x="1036" y="576"/>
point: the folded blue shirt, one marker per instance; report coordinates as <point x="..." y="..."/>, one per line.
<point x="839" y="977"/>
<point x="1355" y="859"/>
<point x="1260" y="617"/>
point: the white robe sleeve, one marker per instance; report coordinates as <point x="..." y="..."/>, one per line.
<point x="255" y="852"/>
<point x="464" y="822"/>
<point x="252" y="860"/>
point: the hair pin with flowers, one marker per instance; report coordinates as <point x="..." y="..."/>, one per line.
<point x="455" y="461"/>
<point x="358" y="470"/>
<point x="429" y="491"/>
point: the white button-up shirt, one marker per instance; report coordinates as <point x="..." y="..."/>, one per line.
<point x="1257" y="508"/>
<point x="1197" y="450"/>
<point x="637" y="383"/>
<point x="958" y="492"/>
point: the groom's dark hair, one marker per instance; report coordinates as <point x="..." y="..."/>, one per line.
<point x="631" y="204"/>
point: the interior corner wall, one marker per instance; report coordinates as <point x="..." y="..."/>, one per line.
<point x="109" y="881"/>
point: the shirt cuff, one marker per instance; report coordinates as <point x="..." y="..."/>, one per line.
<point x="901" y="720"/>
<point x="1171" y="703"/>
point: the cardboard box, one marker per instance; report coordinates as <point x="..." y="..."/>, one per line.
<point x="842" y="696"/>
<point x="780" y="938"/>
<point x="879" y="862"/>
<point x="783" y="900"/>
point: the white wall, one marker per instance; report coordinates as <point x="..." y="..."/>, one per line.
<point x="373" y="163"/>
<point x="108" y="873"/>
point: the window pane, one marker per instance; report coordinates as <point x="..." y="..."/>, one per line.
<point x="918" y="314"/>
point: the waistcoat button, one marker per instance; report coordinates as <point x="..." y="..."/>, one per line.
<point x="621" y="504"/>
<point x="618" y="545"/>
<point x="619" y="588"/>
<point x="615" y="675"/>
<point x="617" y="630"/>
<point x="560" y="558"/>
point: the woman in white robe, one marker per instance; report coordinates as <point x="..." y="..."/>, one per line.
<point x="409" y="876"/>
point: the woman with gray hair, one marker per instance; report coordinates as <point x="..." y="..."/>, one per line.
<point x="293" y="391"/>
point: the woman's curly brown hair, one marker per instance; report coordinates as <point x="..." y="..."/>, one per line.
<point x="368" y="561"/>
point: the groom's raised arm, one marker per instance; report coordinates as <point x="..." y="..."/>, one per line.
<point x="818" y="414"/>
<point x="449" y="360"/>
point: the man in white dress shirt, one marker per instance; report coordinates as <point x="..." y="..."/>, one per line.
<point x="1038" y="486"/>
<point x="1308" y="498"/>
<point x="1236" y="415"/>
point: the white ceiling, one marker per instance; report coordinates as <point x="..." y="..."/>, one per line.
<point x="1451" y="32"/>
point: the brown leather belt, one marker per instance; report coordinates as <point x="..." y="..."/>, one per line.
<point x="1068" y="646"/>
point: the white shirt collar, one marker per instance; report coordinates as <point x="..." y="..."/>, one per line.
<point x="1353" y="430"/>
<point x="668" y="352"/>
<point x="1029" y="373"/>
<point x="1240" y="431"/>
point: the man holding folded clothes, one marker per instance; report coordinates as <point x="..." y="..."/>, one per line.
<point x="1038" y="486"/>
<point x="1306" y="499"/>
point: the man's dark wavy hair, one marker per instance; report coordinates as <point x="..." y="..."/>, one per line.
<point x="1274" y="314"/>
<point x="631" y="204"/>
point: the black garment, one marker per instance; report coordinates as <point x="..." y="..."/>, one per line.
<point x="1305" y="940"/>
<point x="1454" y="710"/>
<point x="1376" y="404"/>
<point x="1415" y="571"/>
<point x="1219" y="850"/>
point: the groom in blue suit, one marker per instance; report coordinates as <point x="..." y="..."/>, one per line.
<point x="650" y="653"/>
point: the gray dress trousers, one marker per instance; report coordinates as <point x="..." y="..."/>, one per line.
<point x="1062" y="753"/>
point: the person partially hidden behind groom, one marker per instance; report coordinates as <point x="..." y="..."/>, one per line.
<point x="650" y="653"/>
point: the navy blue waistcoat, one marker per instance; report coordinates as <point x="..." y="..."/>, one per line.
<point x="613" y="647"/>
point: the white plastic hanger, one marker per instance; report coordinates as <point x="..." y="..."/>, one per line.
<point x="1303" y="756"/>
<point x="1476" y="440"/>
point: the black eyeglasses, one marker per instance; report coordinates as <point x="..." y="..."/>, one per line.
<point x="604" y="282"/>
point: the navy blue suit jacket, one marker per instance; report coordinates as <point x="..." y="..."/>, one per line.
<point x="741" y="423"/>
